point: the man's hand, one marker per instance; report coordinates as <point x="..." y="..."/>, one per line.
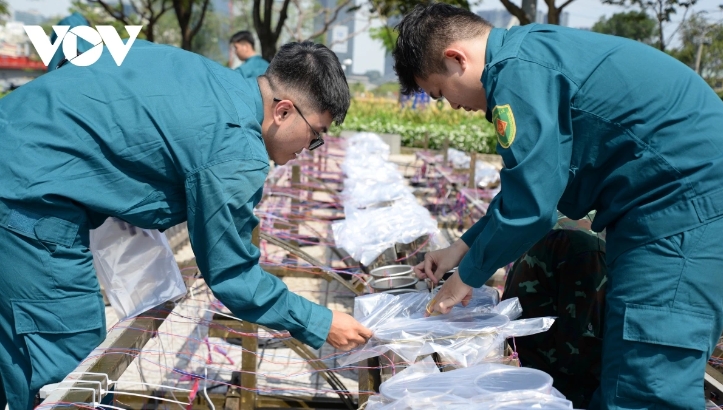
<point x="437" y="263"/>
<point x="346" y="333"/>
<point x="453" y="291"/>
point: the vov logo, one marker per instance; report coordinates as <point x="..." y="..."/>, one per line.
<point x="69" y="38"/>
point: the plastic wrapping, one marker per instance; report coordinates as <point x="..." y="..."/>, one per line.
<point x="135" y="266"/>
<point x="361" y="193"/>
<point x="366" y="144"/>
<point x="370" y="177"/>
<point x="423" y="386"/>
<point x="485" y="174"/>
<point x="371" y="167"/>
<point x="466" y="336"/>
<point x="380" y="209"/>
<point x="365" y="234"/>
<point x="518" y="400"/>
<point x="458" y="159"/>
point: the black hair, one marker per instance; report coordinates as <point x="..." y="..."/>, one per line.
<point x="423" y="35"/>
<point x="245" y="36"/>
<point x="313" y="71"/>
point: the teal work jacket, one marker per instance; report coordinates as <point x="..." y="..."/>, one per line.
<point x="168" y="136"/>
<point x="585" y="122"/>
<point x="253" y="67"/>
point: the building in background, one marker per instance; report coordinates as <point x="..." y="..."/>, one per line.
<point x="349" y="39"/>
<point x="29" y="18"/>
<point x="16" y="65"/>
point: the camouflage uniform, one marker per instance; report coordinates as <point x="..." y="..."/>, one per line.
<point x="563" y="275"/>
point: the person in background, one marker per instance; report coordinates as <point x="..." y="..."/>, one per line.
<point x="243" y="44"/>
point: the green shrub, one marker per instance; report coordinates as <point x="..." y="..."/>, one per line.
<point x="467" y="131"/>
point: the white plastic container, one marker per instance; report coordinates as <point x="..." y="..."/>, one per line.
<point x="391" y="271"/>
<point x="514" y="378"/>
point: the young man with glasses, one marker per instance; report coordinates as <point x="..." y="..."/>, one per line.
<point x="168" y="136"/>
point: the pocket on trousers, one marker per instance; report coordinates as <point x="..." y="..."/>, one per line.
<point x="58" y="333"/>
<point x="663" y="351"/>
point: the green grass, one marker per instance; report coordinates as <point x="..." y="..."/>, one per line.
<point x="467" y="131"/>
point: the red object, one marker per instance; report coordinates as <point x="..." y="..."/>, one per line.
<point x="21" y="63"/>
<point x="192" y="395"/>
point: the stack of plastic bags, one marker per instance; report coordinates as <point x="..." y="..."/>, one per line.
<point x="485" y="386"/>
<point x="379" y="208"/>
<point x="485" y="174"/>
<point x="470" y="339"/>
<point x="465" y="337"/>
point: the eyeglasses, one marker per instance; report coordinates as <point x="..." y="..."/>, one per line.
<point x="317" y="141"/>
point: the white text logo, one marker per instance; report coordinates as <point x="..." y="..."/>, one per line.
<point x="69" y="38"/>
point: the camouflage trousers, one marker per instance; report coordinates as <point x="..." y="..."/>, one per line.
<point x="563" y="275"/>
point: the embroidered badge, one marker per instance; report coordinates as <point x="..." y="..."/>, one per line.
<point x="504" y="122"/>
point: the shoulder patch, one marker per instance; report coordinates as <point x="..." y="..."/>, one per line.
<point x="504" y="122"/>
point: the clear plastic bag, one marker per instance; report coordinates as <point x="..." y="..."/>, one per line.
<point x="466" y="336"/>
<point x="135" y="266"/>
<point x="380" y="209"/>
<point x="361" y="193"/>
<point x="517" y="400"/>
<point x="366" y="233"/>
<point x="485" y="174"/>
<point x="365" y="144"/>
<point x="484" y="386"/>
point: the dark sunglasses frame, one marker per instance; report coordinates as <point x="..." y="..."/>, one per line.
<point x="317" y="141"/>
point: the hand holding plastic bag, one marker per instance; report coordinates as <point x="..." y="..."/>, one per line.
<point x="467" y="335"/>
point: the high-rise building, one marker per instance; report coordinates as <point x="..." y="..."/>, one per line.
<point x="349" y="37"/>
<point x="339" y="37"/>
<point x="30" y="17"/>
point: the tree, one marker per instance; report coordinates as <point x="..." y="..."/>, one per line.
<point x="387" y="35"/>
<point x="635" y="25"/>
<point x="206" y="42"/>
<point x="146" y="13"/>
<point x="553" y="12"/>
<point x="322" y="17"/>
<point x="391" y="8"/>
<point x="4" y="8"/>
<point x="266" y="31"/>
<point x="661" y="9"/>
<point x="185" y="14"/>
<point x="704" y="39"/>
<point x="149" y="13"/>
<point x="269" y="22"/>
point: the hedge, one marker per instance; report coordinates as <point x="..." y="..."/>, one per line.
<point x="467" y="131"/>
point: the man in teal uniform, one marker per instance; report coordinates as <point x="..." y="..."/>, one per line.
<point x="167" y="137"/>
<point x="253" y="64"/>
<point x="74" y="20"/>
<point x="588" y="122"/>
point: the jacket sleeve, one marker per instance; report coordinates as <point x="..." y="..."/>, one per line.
<point x="220" y="221"/>
<point x="535" y="141"/>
